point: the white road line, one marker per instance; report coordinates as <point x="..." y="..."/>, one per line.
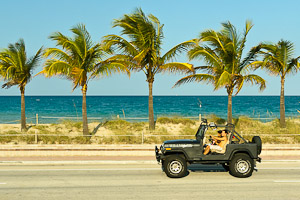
<point x="287" y="181"/>
<point x="279" y="168"/>
<point x="115" y="169"/>
<point x="265" y="161"/>
<point x="2" y="183"/>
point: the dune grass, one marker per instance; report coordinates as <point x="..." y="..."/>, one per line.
<point x="124" y="132"/>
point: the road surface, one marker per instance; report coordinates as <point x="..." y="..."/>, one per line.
<point x="273" y="180"/>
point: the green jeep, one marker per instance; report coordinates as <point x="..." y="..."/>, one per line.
<point x="238" y="156"/>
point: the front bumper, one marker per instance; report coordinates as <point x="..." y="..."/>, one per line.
<point x="158" y="155"/>
<point x="258" y="159"/>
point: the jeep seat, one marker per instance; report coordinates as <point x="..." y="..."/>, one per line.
<point x="224" y="148"/>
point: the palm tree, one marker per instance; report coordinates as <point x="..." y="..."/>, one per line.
<point x="278" y="60"/>
<point x="222" y="52"/>
<point x="143" y="50"/>
<point x="16" y="69"/>
<point x="79" y="60"/>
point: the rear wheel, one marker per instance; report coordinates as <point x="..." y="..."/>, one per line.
<point x="175" y="166"/>
<point x="241" y="166"/>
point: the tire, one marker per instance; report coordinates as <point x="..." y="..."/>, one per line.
<point x="175" y="166"/>
<point x="258" y="142"/>
<point x="241" y="166"/>
<point x="162" y="166"/>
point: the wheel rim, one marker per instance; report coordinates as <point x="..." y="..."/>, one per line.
<point x="242" y="166"/>
<point x="175" y="167"/>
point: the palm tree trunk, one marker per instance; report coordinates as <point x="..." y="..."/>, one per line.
<point x="84" y="112"/>
<point x="229" y="108"/>
<point x="150" y="108"/>
<point x="23" y="117"/>
<point x="282" y="105"/>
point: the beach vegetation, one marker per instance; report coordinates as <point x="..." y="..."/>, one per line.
<point x="278" y="59"/>
<point x="72" y="124"/>
<point x="78" y="59"/>
<point x="175" y="120"/>
<point x="16" y="68"/>
<point x="225" y="67"/>
<point x="123" y="132"/>
<point x="143" y="50"/>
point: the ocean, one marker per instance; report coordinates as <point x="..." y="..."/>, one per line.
<point x="51" y="109"/>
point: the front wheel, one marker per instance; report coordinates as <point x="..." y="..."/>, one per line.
<point x="175" y="166"/>
<point x="241" y="166"/>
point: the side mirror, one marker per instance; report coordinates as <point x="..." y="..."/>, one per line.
<point x="212" y="124"/>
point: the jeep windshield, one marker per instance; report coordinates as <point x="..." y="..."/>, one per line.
<point x="201" y="131"/>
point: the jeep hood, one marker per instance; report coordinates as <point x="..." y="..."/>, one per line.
<point x="183" y="141"/>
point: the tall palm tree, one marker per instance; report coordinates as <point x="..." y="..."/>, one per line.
<point x="16" y="69"/>
<point x="79" y="60"/>
<point x="144" y="49"/>
<point x="225" y="68"/>
<point x="278" y="60"/>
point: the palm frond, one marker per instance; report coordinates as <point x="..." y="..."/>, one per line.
<point x="9" y="84"/>
<point x="278" y="58"/>
<point x="33" y="62"/>
<point x="241" y="47"/>
<point x="58" y="54"/>
<point x="15" y="67"/>
<point x="55" y="67"/>
<point x="223" y="80"/>
<point x="205" y="53"/>
<point x="67" y="44"/>
<point x="118" y="43"/>
<point x="250" y="58"/>
<point x="255" y="79"/>
<point x="109" y="67"/>
<point x="178" y="49"/>
<point x="195" y="78"/>
<point x="176" y="67"/>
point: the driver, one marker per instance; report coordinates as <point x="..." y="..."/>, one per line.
<point x="221" y="140"/>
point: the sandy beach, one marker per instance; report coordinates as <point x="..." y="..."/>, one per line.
<point x="123" y="132"/>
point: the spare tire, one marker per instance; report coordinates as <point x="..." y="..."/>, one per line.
<point x="258" y="142"/>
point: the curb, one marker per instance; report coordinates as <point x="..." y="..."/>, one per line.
<point x="80" y="162"/>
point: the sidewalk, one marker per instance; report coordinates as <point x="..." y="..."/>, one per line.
<point x="111" y="154"/>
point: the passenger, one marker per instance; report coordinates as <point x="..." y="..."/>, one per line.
<point x="220" y="141"/>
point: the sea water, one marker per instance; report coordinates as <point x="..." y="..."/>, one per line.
<point x="51" y="109"/>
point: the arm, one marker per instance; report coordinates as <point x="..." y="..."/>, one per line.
<point x="219" y="138"/>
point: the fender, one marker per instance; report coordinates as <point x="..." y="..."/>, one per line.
<point x="176" y="152"/>
<point x="246" y="151"/>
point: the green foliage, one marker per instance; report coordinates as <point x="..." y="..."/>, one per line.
<point x="222" y="52"/>
<point x="124" y="126"/>
<point x="187" y="130"/>
<point x="175" y="120"/>
<point x="123" y="132"/>
<point x="143" y="50"/>
<point x="79" y="59"/>
<point x="72" y="124"/>
<point x="15" y="67"/>
<point x="40" y="127"/>
<point x="278" y="58"/>
<point x="216" y="119"/>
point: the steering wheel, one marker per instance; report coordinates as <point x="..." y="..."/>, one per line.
<point x="211" y="140"/>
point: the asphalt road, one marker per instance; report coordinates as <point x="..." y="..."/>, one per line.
<point x="274" y="180"/>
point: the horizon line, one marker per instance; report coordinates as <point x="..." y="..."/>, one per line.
<point x="58" y="95"/>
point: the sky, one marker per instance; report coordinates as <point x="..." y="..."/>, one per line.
<point x="35" y="20"/>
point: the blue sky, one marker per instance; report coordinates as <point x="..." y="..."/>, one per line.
<point x="35" y="20"/>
